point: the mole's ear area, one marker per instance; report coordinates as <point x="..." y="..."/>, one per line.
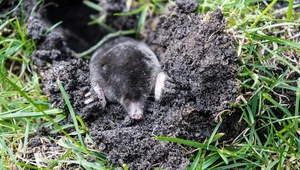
<point x="163" y="84"/>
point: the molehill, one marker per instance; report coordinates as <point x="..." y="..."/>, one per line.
<point x="194" y="51"/>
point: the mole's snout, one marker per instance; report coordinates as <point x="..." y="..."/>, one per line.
<point x="138" y="117"/>
<point x="135" y="110"/>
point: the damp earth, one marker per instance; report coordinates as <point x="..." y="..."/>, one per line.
<point x="195" y="52"/>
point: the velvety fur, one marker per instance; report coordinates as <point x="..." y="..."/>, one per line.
<point x="126" y="71"/>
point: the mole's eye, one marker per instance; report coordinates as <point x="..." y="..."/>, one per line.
<point x="103" y="67"/>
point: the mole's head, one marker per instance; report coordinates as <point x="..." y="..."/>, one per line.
<point x="134" y="108"/>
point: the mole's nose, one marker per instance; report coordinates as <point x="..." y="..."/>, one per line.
<point x="137" y="113"/>
<point x="138" y="117"/>
<point x="135" y="110"/>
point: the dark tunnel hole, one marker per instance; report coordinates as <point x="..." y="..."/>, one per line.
<point x="75" y="16"/>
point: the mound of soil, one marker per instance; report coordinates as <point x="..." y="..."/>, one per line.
<point x="194" y="51"/>
<point x="200" y="58"/>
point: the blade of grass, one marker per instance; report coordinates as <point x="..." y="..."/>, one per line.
<point x="233" y="166"/>
<point x="34" y="104"/>
<point x="6" y="23"/>
<point x="279" y="25"/>
<point x="212" y="158"/>
<point x="271" y="165"/>
<point x="66" y="98"/>
<point x="83" y="127"/>
<point x="5" y="148"/>
<point x="132" y="12"/>
<point x="57" y="119"/>
<point x="16" y="7"/>
<point x="83" y="163"/>
<point x="186" y="142"/>
<point x="92" y="5"/>
<point x="35" y="6"/>
<point x="53" y="131"/>
<point x="103" y="40"/>
<point x="100" y="21"/>
<point x="285" y="110"/>
<point x="142" y="20"/>
<point x="213" y="135"/>
<point x="285" y="9"/>
<point x="281" y="58"/>
<point x="296" y="121"/>
<point x="290" y="10"/>
<point x="196" y="161"/>
<point x="222" y="156"/>
<point x="279" y="40"/>
<point x="297" y="103"/>
<point x="52" y="28"/>
<point x="263" y="13"/>
<point x="26" y="136"/>
<point x="2" y="155"/>
<point x="28" y="166"/>
<point x="30" y="114"/>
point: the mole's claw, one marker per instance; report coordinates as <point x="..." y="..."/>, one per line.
<point x="88" y="101"/>
<point x="169" y="84"/>
<point x="88" y="94"/>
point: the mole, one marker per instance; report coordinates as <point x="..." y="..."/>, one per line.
<point x="127" y="71"/>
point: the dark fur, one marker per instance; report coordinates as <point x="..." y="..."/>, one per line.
<point x="124" y="72"/>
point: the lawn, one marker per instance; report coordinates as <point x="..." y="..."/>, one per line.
<point x="267" y="35"/>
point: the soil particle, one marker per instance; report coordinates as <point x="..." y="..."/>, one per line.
<point x="35" y="28"/>
<point x="187" y="6"/>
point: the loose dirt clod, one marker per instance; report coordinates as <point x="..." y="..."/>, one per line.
<point x="187" y="6"/>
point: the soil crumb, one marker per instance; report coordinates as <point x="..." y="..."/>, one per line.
<point x="194" y="51"/>
<point x="187" y="6"/>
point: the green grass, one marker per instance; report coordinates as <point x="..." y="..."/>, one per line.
<point x="268" y="64"/>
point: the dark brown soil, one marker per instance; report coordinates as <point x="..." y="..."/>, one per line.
<point x="194" y="51"/>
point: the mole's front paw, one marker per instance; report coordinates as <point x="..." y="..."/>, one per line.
<point x="96" y="93"/>
<point x="163" y="86"/>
